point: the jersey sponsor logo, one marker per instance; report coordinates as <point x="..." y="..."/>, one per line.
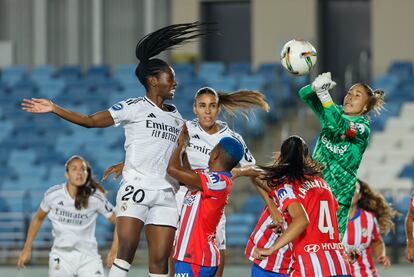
<point x="152" y="115"/>
<point x="311" y="248"/>
<point x="181" y="275"/>
<point x="332" y="246"/>
<point x="203" y="149"/>
<point x="162" y="130"/>
<point x="117" y="107"/>
<point x="334" y="148"/>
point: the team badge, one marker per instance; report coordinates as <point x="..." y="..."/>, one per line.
<point x="364" y="232"/>
<point x="124" y="206"/>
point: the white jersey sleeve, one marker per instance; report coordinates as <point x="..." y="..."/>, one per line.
<point x="124" y="112"/>
<point x="104" y="207"/>
<point x="46" y="203"/>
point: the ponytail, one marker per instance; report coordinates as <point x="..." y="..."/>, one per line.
<point x="161" y="40"/>
<point x="242" y="100"/>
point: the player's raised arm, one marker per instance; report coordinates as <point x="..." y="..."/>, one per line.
<point x="34" y="227"/>
<point x="409" y="221"/>
<point x="38" y="105"/>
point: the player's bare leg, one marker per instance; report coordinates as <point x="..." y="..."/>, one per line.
<point x="220" y="268"/>
<point x="160" y="240"/>
<point x="129" y="230"/>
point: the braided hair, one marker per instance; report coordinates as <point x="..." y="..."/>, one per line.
<point x="161" y="40"/>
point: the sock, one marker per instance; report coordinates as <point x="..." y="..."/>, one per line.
<point x="119" y="268"/>
<point x="157" y="275"/>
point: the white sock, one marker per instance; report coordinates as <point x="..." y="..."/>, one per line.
<point x="157" y="275"/>
<point x="119" y="268"/>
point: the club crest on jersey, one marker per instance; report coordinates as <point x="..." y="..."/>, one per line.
<point x="189" y="200"/>
<point x="311" y="248"/>
<point x="364" y="232"/>
<point x="124" y="206"/>
<point x="117" y="107"/>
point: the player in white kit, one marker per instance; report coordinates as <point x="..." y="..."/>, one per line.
<point x="204" y="133"/>
<point x="72" y="208"/>
<point x="147" y="194"/>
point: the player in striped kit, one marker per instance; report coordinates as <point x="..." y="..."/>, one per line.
<point x="72" y="209"/>
<point x="409" y="221"/>
<point x="363" y="234"/>
<point x="344" y="136"/>
<point x="196" y="252"/>
<point x="310" y="207"/>
<point x="147" y="194"/>
<point x="279" y="263"/>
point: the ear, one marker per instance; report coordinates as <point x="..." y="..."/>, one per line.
<point x="215" y="155"/>
<point x="194" y="108"/>
<point x="66" y="176"/>
<point x="152" y="81"/>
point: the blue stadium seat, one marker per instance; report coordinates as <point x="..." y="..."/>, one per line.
<point x="69" y="72"/>
<point x="253" y="82"/>
<point x="239" y="69"/>
<point x="269" y="70"/>
<point x="407" y="172"/>
<point x="12" y="74"/>
<point x="401" y="69"/>
<point x="253" y="205"/>
<point x="208" y="69"/>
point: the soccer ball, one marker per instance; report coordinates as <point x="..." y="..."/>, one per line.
<point x="298" y="57"/>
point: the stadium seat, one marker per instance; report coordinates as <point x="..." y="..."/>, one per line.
<point x="239" y="69"/>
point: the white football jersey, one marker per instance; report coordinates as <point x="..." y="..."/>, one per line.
<point x="201" y="143"/>
<point x="150" y="138"/>
<point x="71" y="227"/>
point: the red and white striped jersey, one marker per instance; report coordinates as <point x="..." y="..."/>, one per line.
<point x="264" y="237"/>
<point x="362" y="230"/>
<point x="200" y="215"/>
<point x="412" y="202"/>
<point x="318" y="250"/>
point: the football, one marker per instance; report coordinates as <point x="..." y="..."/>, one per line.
<point x="298" y="57"/>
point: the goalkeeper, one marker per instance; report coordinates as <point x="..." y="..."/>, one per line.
<point x="344" y="136"/>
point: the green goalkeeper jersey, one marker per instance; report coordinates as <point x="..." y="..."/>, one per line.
<point x="340" y="146"/>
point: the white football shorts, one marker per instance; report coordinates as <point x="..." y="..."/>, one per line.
<point x="68" y="262"/>
<point x="157" y="207"/>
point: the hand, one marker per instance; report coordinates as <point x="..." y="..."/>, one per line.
<point x="410" y="250"/>
<point x="110" y="258"/>
<point x="385" y="261"/>
<point x="115" y="169"/>
<point x="277" y="228"/>
<point x="323" y="82"/>
<point x="353" y="255"/>
<point x="183" y="138"/>
<point x="37" y="105"/>
<point x="261" y="253"/>
<point x="248" y="170"/>
<point x="24" y="258"/>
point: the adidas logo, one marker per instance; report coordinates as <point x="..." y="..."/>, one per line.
<point x="60" y="203"/>
<point x="195" y="137"/>
<point x="152" y="115"/>
<point x="98" y="272"/>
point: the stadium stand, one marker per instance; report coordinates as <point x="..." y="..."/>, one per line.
<point x="33" y="148"/>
